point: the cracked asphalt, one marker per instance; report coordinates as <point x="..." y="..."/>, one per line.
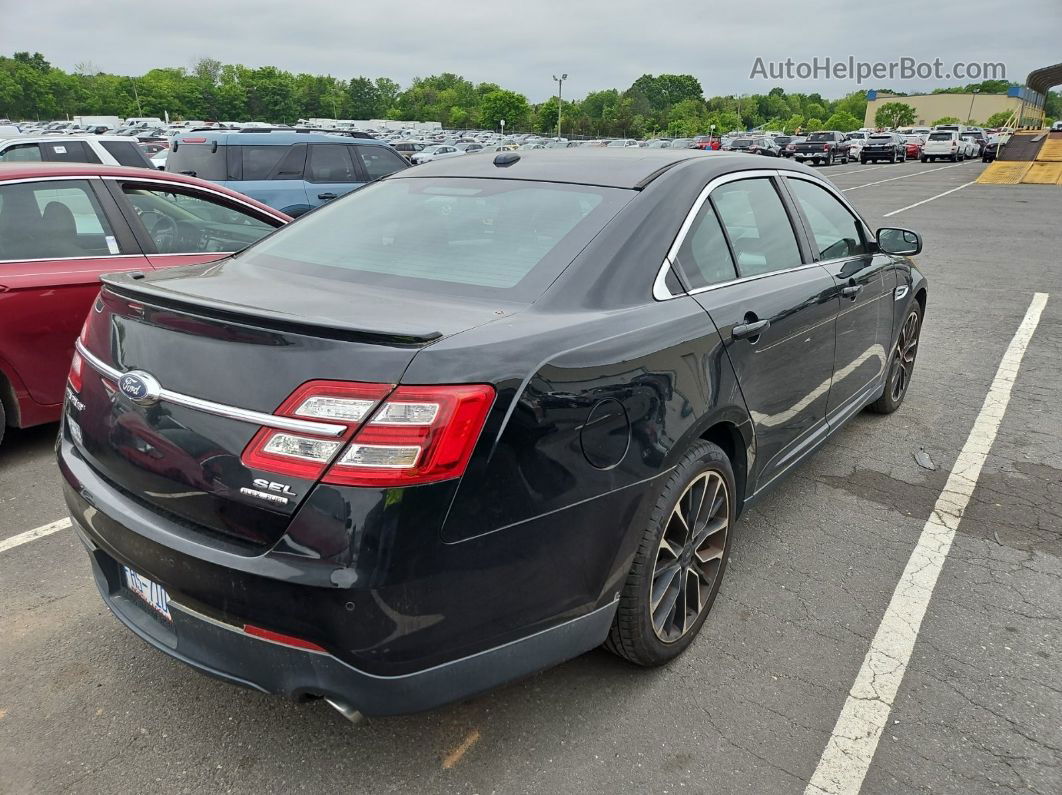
<point x="86" y="707"/>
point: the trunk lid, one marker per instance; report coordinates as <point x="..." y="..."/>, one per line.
<point x="186" y="329"/>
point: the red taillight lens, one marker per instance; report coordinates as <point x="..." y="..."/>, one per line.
<point x="74" y="376"/>
<point x="306" y="455"/>
<point x="825" y="147"/>
<point x="421" y="434"/>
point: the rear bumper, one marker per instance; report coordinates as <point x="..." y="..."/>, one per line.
<point x="223" y="651"/>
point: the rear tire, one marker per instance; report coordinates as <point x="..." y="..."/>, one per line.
<point x="647" y="630"/>
<point x="901" y="363"/>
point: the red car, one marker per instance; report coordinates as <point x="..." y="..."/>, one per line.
<point x="62" y="225"/>
<point x="914" y="146"/>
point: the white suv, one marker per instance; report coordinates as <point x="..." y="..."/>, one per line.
<point x="110" y="150"/>
<point x="944" y="144"/>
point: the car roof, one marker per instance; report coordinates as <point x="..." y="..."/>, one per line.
<point x="258" y="137"/>
<point x="36" y="170"/>
<point x="58" y="139"/>
<point x="611" y="168"/>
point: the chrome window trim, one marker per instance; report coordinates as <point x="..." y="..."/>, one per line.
<point x="221" y="409"/>
<point x="660" y="291"/>
<point x="69" y="259"/>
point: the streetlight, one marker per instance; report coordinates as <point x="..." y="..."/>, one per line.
<point x="973" y="96"/>
<point x="560" y="86"/>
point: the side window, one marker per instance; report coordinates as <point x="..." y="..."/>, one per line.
<point x="53" y="220"/>
<point x="69" y="152"/>
<point x="21" y="153"/>
<point x="379" y="161"/>
<point x="757" y="225"/>
<point x="259" y="161"/>
<point x="126" y="153"/>
<point x="704" y="255"/>
<point x="293" y="164"/>
<point x="186" y="222"/>
<point x="836" y="231"/>
<point x="330" y="163"/>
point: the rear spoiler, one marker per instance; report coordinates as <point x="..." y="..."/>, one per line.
<point x="128" y="285"/>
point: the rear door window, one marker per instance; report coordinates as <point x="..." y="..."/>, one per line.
<point x="126" y="153"/>
<point x="704" y="255"/>
<point x="21" y="153"/>
<point x="331" y="163"/>
<point x="260" y="161"/>
<point x="758" y="226"/>
<point x="379" y="161"/>
<point x="53" y="220"/>
<point x="69" y="152"/>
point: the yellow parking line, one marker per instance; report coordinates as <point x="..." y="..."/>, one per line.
<point x="455" y="755"/>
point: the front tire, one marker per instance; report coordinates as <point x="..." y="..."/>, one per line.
<point x="901" y="364"/>
<point x="680" y="561"/>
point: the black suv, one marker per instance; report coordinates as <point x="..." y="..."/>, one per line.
<point x="883" y="146"/>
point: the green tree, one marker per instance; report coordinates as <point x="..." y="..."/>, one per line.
<point x="894" y="114"/>
<point x="365" y="101"/>
<point x="845" y="122"/>
<point x="388" y="91"/>
<point x="794" y="122"/>
<point x="508" y="105"/>
<point x="998" y="119"/>
<point x="813" y="124"/>
<point x="946" y="120"/>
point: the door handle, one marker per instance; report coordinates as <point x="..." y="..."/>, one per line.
<point x="851" y="291"/>
<point x="326" y="196"/>
<point x="753" y="329"/>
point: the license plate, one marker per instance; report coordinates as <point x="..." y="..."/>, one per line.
<point x="149" y="591"/>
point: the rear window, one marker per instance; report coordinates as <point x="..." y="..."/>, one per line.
<point x="821" y="136"/>
<point x="881" y="138"/>
<point x="126" y="153"/>
<point x="490" y="238"/>
<point x="940" y="136"/>
<point x="198" y="160"/>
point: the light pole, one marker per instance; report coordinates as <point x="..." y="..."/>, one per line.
<point x="560" y="88"/>
<point x="973" y="96"/>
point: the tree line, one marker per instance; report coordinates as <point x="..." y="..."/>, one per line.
<point x="31" y="88"/>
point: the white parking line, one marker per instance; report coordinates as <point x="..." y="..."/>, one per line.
<point x="904" y="176"/>
<point x="850" y="749"/>
<point x="931" y="198"/>
<point x="854" y="171"/>
<point x="33" y="535"/>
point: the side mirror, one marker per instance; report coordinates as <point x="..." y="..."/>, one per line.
<point x="902" y="242"/>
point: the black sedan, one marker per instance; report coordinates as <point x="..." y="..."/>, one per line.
<point x="476" y="418"/>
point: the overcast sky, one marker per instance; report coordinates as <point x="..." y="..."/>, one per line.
<point x="522" y="43"/>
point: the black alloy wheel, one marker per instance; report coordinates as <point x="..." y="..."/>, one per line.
<point x="901" y="367"/>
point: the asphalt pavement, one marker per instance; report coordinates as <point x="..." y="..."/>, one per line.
<point x="751" y="707"/>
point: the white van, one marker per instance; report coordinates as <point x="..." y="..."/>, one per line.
<point x="943" y="144"/>
<point x="144" y="121"/>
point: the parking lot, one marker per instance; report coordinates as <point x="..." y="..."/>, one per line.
<point x="85" y="706"/>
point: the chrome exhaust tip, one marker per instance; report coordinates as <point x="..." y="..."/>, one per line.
<point x="346" y="710"/>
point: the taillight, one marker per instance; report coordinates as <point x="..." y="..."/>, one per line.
<point x="825" y="147"/>
<point x="281" y="638"/>
<point x="305" y="455"/>
<point x="419" y="434"/>
<point x="74" y="376"/>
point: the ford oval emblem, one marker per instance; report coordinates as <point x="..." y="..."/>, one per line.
<point x="140" y="387"/>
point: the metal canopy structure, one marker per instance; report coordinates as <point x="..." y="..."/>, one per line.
<point x="1034" y="94"/>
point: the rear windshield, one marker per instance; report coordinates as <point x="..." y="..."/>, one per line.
<point x="482" y="238"/>
<point x="126" y="153"/>
<point x="940" y="136"/>
<point x="197" y="160"/>
<point x="821" y="136"/>
<point x="880" y="138"/>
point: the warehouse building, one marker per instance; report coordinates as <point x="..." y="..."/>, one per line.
<point x="978" y="107"/>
